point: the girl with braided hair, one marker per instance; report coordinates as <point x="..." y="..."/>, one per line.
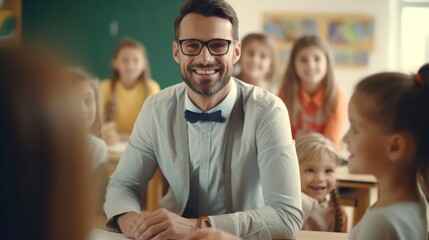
<point x="320" y="201"/>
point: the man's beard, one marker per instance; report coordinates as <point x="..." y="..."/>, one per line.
<point x="219" y="85"/>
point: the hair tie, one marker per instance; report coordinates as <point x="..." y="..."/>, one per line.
<point x="419" y="79"/>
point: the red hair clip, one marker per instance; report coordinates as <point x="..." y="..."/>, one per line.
<point x="418" y="79"/>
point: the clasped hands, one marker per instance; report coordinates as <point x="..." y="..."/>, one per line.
<point x="163" y="224"/>
<point x="160" y="224"/>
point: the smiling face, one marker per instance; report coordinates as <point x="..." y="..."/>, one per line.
<point x="311" y="65"/>
<point x="365" y="141"/>
<point x="255" y="61"/>
<point x="318" y="175"/>
<point x="130" y="64"/>
<point x="206" y="74"/>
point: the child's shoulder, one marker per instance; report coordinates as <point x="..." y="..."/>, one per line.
<point x="399" y="219"/>
<point x="340" y="102"/>
<point x="97" y="144"/>
<point x="98" y="150"/>
<point x="398" y="209"/>
<point x="105" y="85"/>
<point x="374" y="225"/>
<point x="311" y="205"/>
<point x="340" y="95"/>
<point x="152" y="84"/>
<point x="308" y="204"/>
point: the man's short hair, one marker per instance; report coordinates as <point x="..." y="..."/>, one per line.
<point x="208" y="8"/>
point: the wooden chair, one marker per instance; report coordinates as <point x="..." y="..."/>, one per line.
<point x="156" y="188"/>
<point x="154" y="192"/>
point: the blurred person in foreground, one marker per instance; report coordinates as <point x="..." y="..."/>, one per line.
<point x="44" y="162"/>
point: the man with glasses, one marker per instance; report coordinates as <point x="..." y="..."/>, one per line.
<point x="224" y="147"/>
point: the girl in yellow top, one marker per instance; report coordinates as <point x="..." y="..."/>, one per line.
<point x="124" y="94"/>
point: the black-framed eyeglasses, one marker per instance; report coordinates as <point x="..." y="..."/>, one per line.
<point x="193" y="47"/>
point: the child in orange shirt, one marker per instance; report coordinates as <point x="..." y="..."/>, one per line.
<point x="309" y="91"/>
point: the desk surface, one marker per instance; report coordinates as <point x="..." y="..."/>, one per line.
<point x="115" y="151"/>
<point x="342" y="174"/>
<point x="303" y="235"/>
<point x="313" y="235"/>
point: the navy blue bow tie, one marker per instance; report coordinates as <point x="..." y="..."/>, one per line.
<point x="194" y="117"/>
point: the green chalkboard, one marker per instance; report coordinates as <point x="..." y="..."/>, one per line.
<point x="87" y="31"/>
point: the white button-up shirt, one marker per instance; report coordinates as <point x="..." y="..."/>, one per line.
<point x="206" y="141"/>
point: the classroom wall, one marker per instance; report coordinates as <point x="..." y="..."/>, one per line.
<point x="384" y="55"/>
<point x="88" y="31"/>
<point x="382" y="58"/>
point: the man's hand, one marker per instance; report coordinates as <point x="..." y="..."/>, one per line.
<point x="163" y="224"/>
<point x="159" y="224"/>
<point x="210" y="234"/>
<point x="129" y="222"/>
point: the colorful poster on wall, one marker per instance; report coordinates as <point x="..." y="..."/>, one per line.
<point x="289" y="30"/>
<point x="10" y="22"/>
<point x="350" y="37"/>
<point x="7" y="24"/>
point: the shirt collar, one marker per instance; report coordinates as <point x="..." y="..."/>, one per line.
<point x="226" y="105"/>
<point x="316" y="99"/>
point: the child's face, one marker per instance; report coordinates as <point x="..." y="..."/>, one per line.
<point x="318" y="176"/>
<point x="311" y="65"/>
<point x="130" y="64"/>
<point x="365" y="141"/>
<point x="88" y="104"/>
<point x="255" y="60"/>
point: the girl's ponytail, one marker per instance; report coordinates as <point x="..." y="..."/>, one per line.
<point x="422" y="79"/>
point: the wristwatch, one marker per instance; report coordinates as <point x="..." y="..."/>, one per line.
<point x="203" y="222"/>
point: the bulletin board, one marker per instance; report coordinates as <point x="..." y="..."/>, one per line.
<point x="350" y="37"/>
<point x="10" y="22"/>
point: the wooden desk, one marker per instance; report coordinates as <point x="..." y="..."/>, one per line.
<point x="313" y="235"/>
<point x="363" y="185"/>
<point x="303" y="235"/>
